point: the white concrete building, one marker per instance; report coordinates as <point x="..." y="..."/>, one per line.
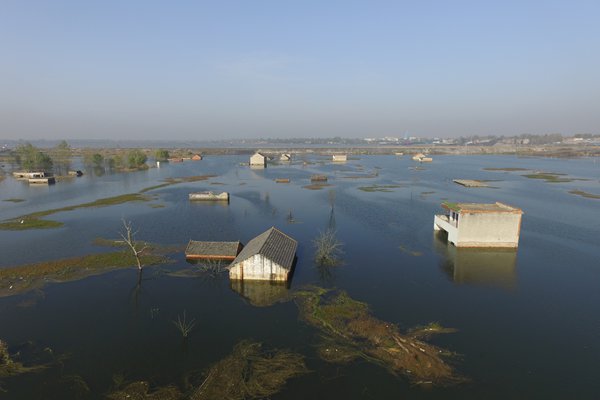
<point x="480" y="225"/>
<point x="268" y="257"/>
<point x="258" y="159"/>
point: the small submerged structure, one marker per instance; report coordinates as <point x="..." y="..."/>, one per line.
<point x="270" y="256"/>
<point x="318" y="178"/>
<point x="420" y="157"/>
<point x="75" y="173"/>
<point x="209" y="196"/>
<point x="49" y="180"/>
<point x="282" y="180"/>
<point x="30" y="175"/>
<point x="226" y="251"/>
<point x="480" y="225"/>
<point x="258" y="160"/>
<point x="339" y="158"/>
<point x="285" y="157"/>
<point x="196" y="157"/>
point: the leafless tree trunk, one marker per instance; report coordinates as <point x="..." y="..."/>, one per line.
<point x="128" y="236"/>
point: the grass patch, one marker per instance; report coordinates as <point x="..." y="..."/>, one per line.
<point x="378" y="188"/>
<point x="549" y="177"/>
<point x="585" y="194"/>
<point x="508" y="169"/>
<point x="14" y="200"/>
<point x="35" y="221"/>
<point x="350" y="331"/>
<point x="250" y="372"/>
<point x="141" y="391"/>
<point x="23" y="278"/>
<point x="174" y="181"/>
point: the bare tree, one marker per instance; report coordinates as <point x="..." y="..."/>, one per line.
<point x="128" y="235"/>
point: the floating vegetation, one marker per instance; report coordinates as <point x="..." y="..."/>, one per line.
<point x="550" y="177"/>
<point x="328" y="249"/>
<point x="316" y="186"/>
<point x="23" y="278"/>
<point x="352" y="332"/>
<point x="413" y="253"/>
<point x="14" y="200"/>
<point x="585" y="194"/>
<point x="250" y="372"/>
<point x="379" y="188"/>
<point x="34" y="221"/>
<point x="141" y="391"/>
<point x="157" y="205"/>
<point x="9" y="367"/>
<point x="507" y="169"/>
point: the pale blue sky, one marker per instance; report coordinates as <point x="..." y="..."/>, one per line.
<point x="241" y="69"/>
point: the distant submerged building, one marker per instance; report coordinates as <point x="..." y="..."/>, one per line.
<point x="258" y="159"/>
<point x="480" y="225"/>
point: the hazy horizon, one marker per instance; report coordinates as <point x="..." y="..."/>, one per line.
<point x="204" y="71"/>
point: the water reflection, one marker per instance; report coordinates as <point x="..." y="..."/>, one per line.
<point x="261" y="294"/>
<point x="487" y="267"/>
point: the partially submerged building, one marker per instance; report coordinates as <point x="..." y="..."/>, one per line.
<point x="196" y="157"/>
<point x="226" y="251"/>
<point x="339" y="158"/>
<point x="285" y="157"/>
<point x="268" y="257"/>
<point x="420" y="157"/>
<point x="209" y="196"/>
<point x="480" y="225"/>
<point x="258" y="160"/>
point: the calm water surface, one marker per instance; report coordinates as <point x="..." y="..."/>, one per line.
<point x="528" y="321"/>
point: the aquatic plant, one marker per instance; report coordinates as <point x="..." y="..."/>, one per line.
<point x="351" y="332"/>
<point x="328" y="249"/>
<point x="141" y="391"/>
<point x="183" y="325"/>
<point x="250" y="372"/>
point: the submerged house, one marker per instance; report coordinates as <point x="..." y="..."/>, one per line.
<point x="285" y="157"/>
<point x="480" y="225"/>
<point x="268" y="257"/>
<point x="420" y="157"/>
<point x="196" y="157"/>
<point x="258" y="159"/>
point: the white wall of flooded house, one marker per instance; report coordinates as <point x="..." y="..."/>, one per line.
<point x="489" y="229"/>
<point x="258" y="268"/>
<point x="258" y="159"/>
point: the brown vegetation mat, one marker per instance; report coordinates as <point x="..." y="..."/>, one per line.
<point x="140" y="391"/>
<point x="250" y="372"/>
<point x="350" y="332"/>
<point x="585" y="194"/>
<point x="316" y="186"/>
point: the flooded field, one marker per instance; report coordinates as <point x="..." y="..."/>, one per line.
<point x="397" y="313"/>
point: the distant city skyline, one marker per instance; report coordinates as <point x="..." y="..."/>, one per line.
<point x="140" y="70"/>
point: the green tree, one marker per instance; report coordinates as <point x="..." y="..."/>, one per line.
<point x="62" y="158"/>
<point x="136" y="158"/>
<point x="31" y="158"/>
<point x="161" y="154"/>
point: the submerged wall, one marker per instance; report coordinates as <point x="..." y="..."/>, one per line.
<point x="488" y="230"/>
<point x="258" y="268"/>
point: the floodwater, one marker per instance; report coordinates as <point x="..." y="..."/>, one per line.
<point x="528" y="321"/>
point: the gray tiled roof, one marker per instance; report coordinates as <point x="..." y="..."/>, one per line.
<point x="272" y="244"/>
<point x="225" y="249"/>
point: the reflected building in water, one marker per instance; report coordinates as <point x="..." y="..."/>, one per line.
<point x="480" y="266"/>
<point x="261" y="293"/>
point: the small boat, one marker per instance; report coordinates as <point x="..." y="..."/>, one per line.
<point x="209" y="196"/>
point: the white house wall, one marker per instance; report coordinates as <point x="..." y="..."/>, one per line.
<point x="258" y="268"/>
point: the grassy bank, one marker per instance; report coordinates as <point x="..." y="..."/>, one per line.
<point x="35" y="221"/>
<point x="22" y="278"/>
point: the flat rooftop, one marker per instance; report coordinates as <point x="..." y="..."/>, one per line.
<point x="496" y="207"/>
